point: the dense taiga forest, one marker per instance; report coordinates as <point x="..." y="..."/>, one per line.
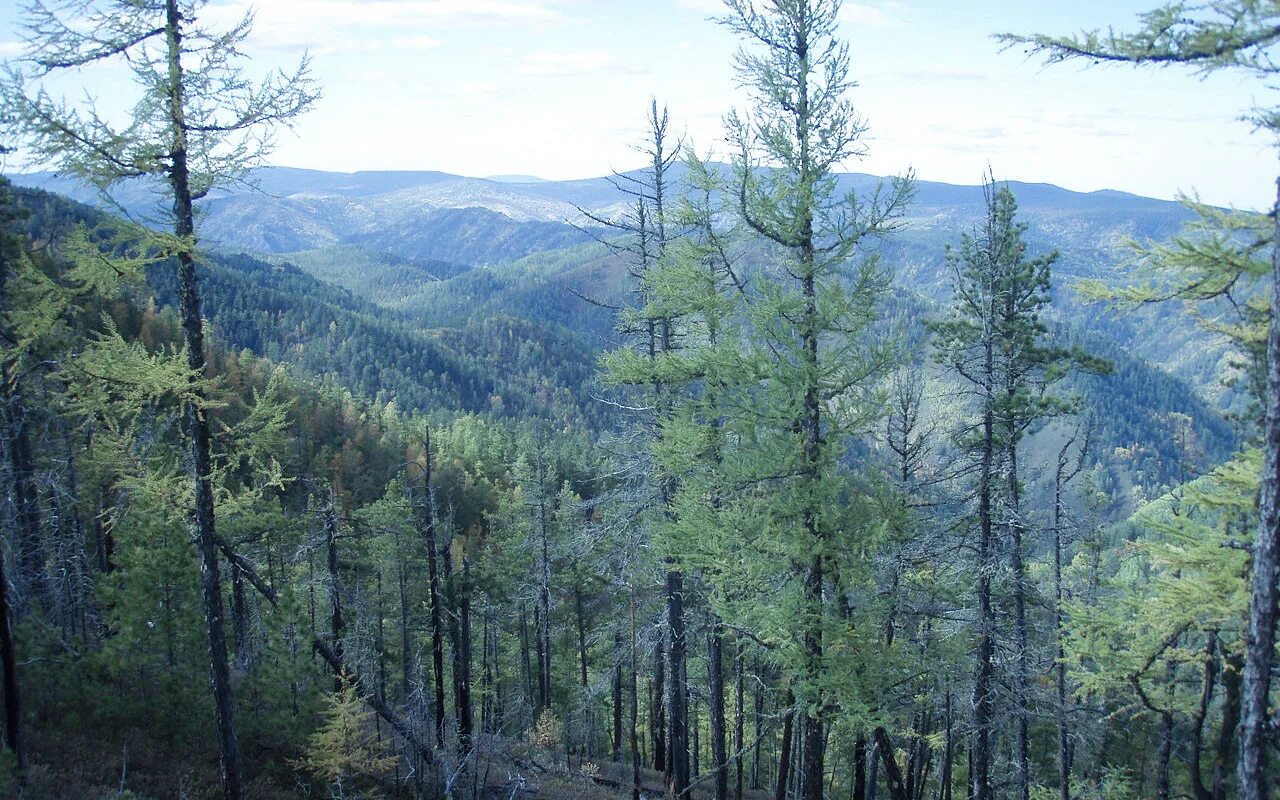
<point x="741" y="476"/>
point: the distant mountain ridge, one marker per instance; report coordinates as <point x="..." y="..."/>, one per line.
<point x="367" y="230"/>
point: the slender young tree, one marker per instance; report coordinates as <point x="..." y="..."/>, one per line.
<point x="199" y="123"/>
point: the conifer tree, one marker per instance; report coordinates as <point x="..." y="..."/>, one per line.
<point x="1235" y="35"/>
<point x="199" y="123"/>
<point x="815" y="307"/>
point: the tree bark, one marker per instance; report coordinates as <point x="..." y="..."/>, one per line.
<point x="739" y="722"/>
<point x="894" y="779"/>
<point x="425" y="509"/>
<point x="195" y="417"/>
<point x="678" y="724"/>
<point x="335" y="587"/>
<point x="616" y="755"/>
<point x="715" y="707"/>
<point x="1261" y="642"/>
<point x="658" y="708"/>
<point x="784" y="755"/>
<point x="13" y="738"/>
<point x="980" y="752"/>
<point x="1231" y="679"/>
<point x="460" y="636"/>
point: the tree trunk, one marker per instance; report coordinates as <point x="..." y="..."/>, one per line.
<point x="758" y="720"/>
<point x="980" y="774"/>
<point x="1261" y="643"/>
<point x="543" y="616"/>
<point x="784" y="756"/>
<point x="460" y="638"/>
<point x="587" y="739"/>
<point x="715" y="707"/>
<point x="1059" y="622"/>
<point x="678" y="724"/>
<point x="335" y="587"/>
<point x="739" y="722"/>
<point x="425" y="509"/>
<point x="195" y="417"/>
<point x="9" y="662"/>
<point x="658" y="708"/>
<point x="616" y="755"/>
<point x="406" y="642"/>
<point x="525" y="667"/>
<point x="635" y="707"/>
<point x="1021" y="668"/>
<point x="1231" y="680"/>
<point x="860" y="768"/>
<point x="894" y="779"/>
<point x="1201" y="716"/>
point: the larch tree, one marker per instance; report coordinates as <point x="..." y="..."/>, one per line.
<point x="1239" y="36"/>
<point x="815" y="306"/>
<point x="199" y="122"/>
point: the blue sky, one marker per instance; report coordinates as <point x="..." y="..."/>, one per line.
<point x="559" y="89"/>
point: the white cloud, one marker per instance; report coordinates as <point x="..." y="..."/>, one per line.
<point x="880" y="15"/>
<point x="416" y="42"/>
<point x="567" y="64"/>
<point x="12" y="49"/>
<point x="357" y="26"/>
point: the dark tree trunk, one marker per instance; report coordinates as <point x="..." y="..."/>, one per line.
<point x="678" y="724"/>
<point x="784" y="755"/>
<point x="1021" y="667"/>
<point x="980" y="752"/>
<point x="739" y="723"/>
<point x="406" y="642"/>
<point x="1200" y="717"/>
<point x="948" y="753"/>
<point x="894" y="779"/>
<point x="239" y="620"/>
<point x="658" y="708"/>
<point x="526" y="668"/>
<point x="425" y="509"/>
<point x="587" y="738"/>
<point x="195" y="417"/>
<point x="860" y="768"/>
<point x="1059" y="629"/>
<point x="9" y="662"/>
<point x="758" y="720"/>
<point x="460" y="638"/>
<point x="335" y="587"/>
<point x="715" y="707"/>
<point x="1265" y="583"/>
<point x="635" y="708"/>
<point x="1231" y="680"/>
<point x="616" y="755"/>
<point x="542" y="616"/>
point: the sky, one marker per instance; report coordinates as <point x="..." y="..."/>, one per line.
<point x="559" y="89"/>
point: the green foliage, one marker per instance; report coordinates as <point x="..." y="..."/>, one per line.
<point x="345" y="749"/>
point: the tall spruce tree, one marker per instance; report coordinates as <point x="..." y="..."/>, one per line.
<point x="996" y="341"/>
<point x="198" y="123"/>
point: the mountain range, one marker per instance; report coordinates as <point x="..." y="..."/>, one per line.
<point x="443" y="291"/>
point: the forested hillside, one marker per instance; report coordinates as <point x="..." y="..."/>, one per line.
<point x="751" y="478"/>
